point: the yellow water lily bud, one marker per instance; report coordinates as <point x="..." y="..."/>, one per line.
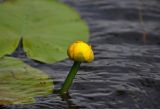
<point x="80" y="51"/>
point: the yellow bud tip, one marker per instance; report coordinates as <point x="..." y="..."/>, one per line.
<point x="81" y="52"/>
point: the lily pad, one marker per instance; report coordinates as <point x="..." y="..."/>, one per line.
<point x="47" y="27"/>
<point x="20" y="83"/>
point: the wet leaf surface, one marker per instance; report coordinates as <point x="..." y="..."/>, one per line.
<point x="20" y="83"/>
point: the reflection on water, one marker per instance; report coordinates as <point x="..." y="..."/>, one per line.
<point x="125" y="73"/>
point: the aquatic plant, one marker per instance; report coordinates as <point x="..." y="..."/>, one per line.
<point x="46" y="28"/>
<point x="20" y="82"/>
<point x="79" y="52"/>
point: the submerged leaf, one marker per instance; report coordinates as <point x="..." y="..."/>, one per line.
<point x="20" y="83"/>
<point x="46" y="26"/>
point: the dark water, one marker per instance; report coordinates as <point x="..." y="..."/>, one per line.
<point x="125" y="35"/>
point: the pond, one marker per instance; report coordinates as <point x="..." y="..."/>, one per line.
<point x="125" y="35"/>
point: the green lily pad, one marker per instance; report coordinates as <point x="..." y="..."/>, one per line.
<point x="47" y="27"/>
<point x="21" y="83"/>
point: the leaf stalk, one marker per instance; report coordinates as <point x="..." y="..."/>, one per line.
<point x="68" y="82"/>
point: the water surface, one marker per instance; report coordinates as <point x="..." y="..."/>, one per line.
<point x="125" y="35"/>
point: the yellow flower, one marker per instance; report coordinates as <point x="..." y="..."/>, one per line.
<point x="80" y="51"/>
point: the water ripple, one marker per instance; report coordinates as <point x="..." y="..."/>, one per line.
<point x="125" y="73"/>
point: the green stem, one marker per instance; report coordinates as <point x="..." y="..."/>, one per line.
<point x="70" y="77"/>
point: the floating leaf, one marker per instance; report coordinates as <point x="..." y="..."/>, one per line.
<point x="47" y="27"/>
<point x="20" y="83"/>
